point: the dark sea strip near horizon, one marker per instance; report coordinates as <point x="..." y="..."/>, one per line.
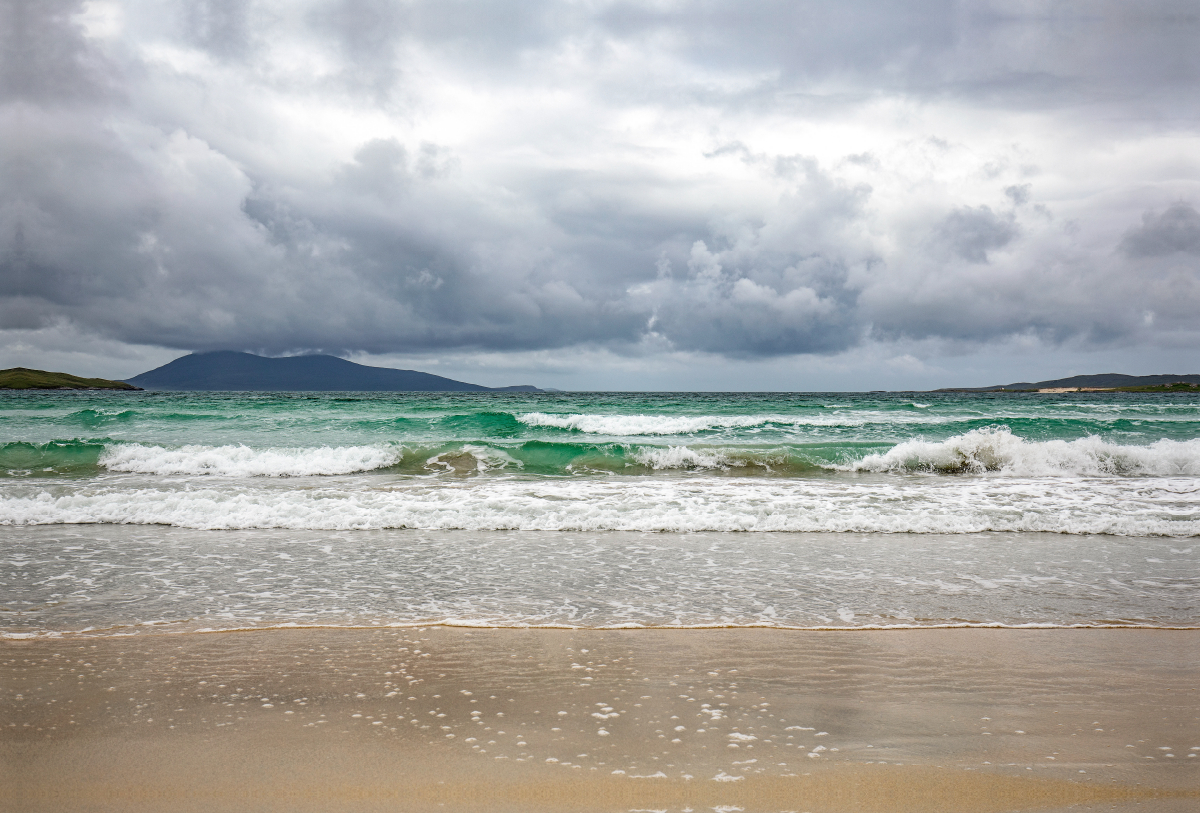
<point x="154" y="511"/>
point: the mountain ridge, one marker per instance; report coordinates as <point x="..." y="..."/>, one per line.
<point x="235" y="371"/>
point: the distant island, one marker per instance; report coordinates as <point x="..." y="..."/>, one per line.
<point x="1104" y="382"/>
<point x="22" y="378"/>
<point x="233" y="371"/>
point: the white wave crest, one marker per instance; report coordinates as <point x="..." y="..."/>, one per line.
<point x="684" y="457"/>
<point x="629" y="425"/>
<point x="997" y="449"/>
<point x="1158" y="506"/>
<point x="243" y="461"/>
<point x="681" y="457"/>
<point x="634" y="425"/>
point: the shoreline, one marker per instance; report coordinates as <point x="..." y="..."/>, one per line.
<point x="454" y="718"/>
<point x="162" y="629"/>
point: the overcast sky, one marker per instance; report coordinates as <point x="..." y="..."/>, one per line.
<point x="604" y="195"/>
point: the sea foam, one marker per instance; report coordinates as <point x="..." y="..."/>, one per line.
<point x="243" y="461"/>
<point x="954" y="505"/>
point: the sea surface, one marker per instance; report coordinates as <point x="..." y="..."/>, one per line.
<point x="157" y="511"/>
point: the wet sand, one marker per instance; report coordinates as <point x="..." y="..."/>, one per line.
<point x="603" y="720"/>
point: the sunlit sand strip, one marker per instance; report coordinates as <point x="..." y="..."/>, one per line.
<point x="521" y="719"/>
<point x="867" y="789"/>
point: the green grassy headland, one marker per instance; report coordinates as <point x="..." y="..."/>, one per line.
<point x="1178" y="386"/>
<point x="20" y="378"/>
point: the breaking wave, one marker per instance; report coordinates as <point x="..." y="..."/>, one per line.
<point x="243" y="461"/>
<point x="631" y="425"/>
<point x="992" y="450"/>
<point x="996" y="449"/>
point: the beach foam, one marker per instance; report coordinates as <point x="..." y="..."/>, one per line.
<point x="1159" y="506"/>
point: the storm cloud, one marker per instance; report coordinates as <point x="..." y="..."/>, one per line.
<point x="1160" y="234"/>
<point x="744" y="180"/>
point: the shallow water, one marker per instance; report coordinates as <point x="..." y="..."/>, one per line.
<point x="110" y="579"/>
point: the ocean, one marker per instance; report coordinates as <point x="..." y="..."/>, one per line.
<point x="124" y="513"/>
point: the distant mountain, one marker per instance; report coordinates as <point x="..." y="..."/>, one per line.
<point x="230" y="370"/>
<point x="1100" y="381"/>
<point x="22" y="378"/>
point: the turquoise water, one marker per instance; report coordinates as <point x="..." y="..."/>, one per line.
<point x="53" y="434"/>
<point x="123" y="510"/>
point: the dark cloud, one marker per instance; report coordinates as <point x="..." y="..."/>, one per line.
<point x="807" y="53"/>
<point x="45" y="59"/>
<point x="770" y="309"/>
<point x="219" y="26"/>
<point x="1047" y="288"/>
<point x="386" y="177"/>
<point x="971" y="232"/>
<point x="803" y="39"/>
<point x="1176" y="229"/>
<point x="1018" y="194"/>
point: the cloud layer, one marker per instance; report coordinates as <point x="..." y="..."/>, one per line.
<point x="746" y="180"/>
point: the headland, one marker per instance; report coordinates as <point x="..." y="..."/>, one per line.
<point x="1103" y="382"/>
<point x="22" y="378"/>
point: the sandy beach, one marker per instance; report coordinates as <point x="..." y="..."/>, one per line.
<point x="599" y="407"/>
<point x="445" y="718"/>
